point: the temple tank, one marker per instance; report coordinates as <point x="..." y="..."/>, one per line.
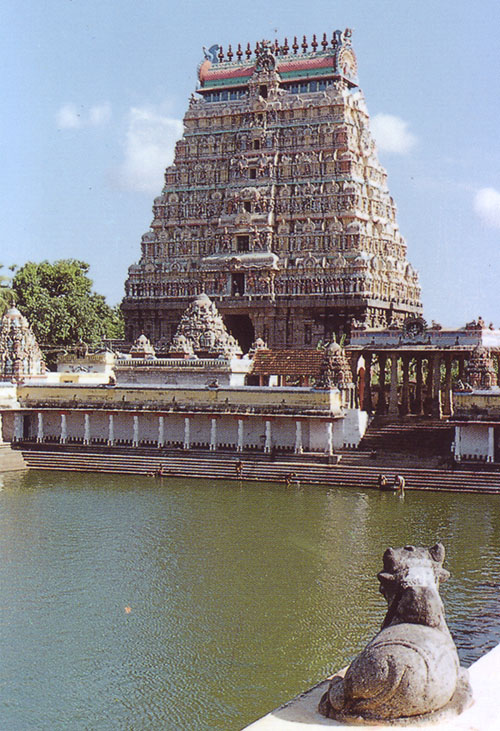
<point x="135" y="602"/>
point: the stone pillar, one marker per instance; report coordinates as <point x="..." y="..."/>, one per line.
<point x="64" y="430"/>
<point x="393" y="393"/>
<point x="86" y="429"/>
<point x="240" y="436"/>
<point x="461" y="368"/>
<point x="458" y="443"/>
<point x="436" y="386"/>
<point x="135" y="432"/>
<point x="419" y="362"/>
<point x="491" y="444"/>
<point x="298" y="437"/>
<point x="187" y="442"/>
<point x="18" y="428"/>
<point x="329" y="438"/>
<point x="267" y="444"/>
<point x="213" y="435"/>
<point x="405" y="389"/>
<point x="111" y="430"/>
<point x="161" y="431"/>
<point x="39" y="433"/>
<point x="381" y="405"/>
<point x="447" y="394"/>
<point x="367" y="404"/>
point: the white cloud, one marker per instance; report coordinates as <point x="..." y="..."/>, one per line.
<point x="487" y="206"/>
<point x="99" y="114"/>
<point x="149" y="149"/>
<point x="391" y="134"/>
<point x="69" y="116"/>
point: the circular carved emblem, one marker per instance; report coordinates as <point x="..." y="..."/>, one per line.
<point x="414" y="327"/>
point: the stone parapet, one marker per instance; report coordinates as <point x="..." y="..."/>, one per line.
<point x="483" y="715"/>
<point x="272" y="400"/>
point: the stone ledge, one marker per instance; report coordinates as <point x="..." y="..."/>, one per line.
<point x="301" y="714"/>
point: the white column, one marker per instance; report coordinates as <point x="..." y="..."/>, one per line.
<point x="39" y="433"/>
<point x="111" y="430"/>
<point x="135" y="436"/>
<point x="161" y="432"/>
<point x="458" y="445"/>
<point x="86" y="429"/>
<point x="329" y="438"/>
<point x="213" y="435"/>
<point x="186" y="433"/>
<point x="267" y="445"/>
<point x="64" y="429"/>
<point x="240" y="436"/>
<point x="18" y="427"/>
<point x="491" y="444"/>
<point x="298" y="437"/>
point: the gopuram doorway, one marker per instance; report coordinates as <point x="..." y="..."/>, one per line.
<point x="241" y="328"/>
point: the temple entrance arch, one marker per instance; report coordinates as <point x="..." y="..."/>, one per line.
<point x="241" y="328"/>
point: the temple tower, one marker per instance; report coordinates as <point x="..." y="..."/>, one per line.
<point x="276" y="206"/>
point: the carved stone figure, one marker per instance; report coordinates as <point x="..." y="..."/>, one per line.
<point x="410" y="670"/>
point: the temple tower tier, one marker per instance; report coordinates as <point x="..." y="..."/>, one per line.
<point x="276" y="205"/>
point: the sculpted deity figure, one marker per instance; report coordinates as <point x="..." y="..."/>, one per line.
<point x="410" y="671"/>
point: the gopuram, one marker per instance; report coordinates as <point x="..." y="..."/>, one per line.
<point x="276" y="206"/>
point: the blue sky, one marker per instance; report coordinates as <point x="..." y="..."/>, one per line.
<point x="94" y="92"/>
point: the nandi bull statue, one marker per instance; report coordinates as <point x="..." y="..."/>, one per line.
<point x="410" y="671"/>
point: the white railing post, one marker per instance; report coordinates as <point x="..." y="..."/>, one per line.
<point x="64" y="430"/>
<point x="86" y="429"/>
<point x="187" y="442"/>
<point x="161" y="432"/>
<point x="213" y="435"/>
<point x="240" y="436"/>
<point x="111" y="430"/>
<point x="39" y="432"/>
<point x="329" y="438"/>
<point x="267" y="444"/>
<point x="298" y="437"/>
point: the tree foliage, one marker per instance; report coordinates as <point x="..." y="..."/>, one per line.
<point x="6" y="291"/>
<point x="60" y="305"/>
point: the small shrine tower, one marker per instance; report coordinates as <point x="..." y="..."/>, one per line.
<point x="20" y="356"/>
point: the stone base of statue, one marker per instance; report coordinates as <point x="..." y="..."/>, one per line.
<point x="409" y="673"/>
<point x="459" y="702"/>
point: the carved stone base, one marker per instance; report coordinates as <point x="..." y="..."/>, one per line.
<point x="460" y="701"/>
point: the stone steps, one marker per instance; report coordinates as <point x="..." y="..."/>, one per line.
<point x="222" y="467"/>
<point x="425" y="437"/>
<point x="10" y="459"/>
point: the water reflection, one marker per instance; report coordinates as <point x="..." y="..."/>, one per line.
<point x="239" y="595"/>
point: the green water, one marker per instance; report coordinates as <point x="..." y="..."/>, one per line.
<point x="239" y="596"/>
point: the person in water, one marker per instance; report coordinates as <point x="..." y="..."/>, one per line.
<point x="399" y="482"/>
<point x="382" y="482"/>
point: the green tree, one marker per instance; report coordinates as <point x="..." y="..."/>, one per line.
<point x="61" y="306"/>
<point x="6" y="291"/>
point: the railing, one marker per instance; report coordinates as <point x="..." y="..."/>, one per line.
<point x="184" y="363"/>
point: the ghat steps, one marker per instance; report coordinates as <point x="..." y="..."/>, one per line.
<point x="10" y="459"/>
<point x="218" y="466"/>
<point x="421" y="436"/>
